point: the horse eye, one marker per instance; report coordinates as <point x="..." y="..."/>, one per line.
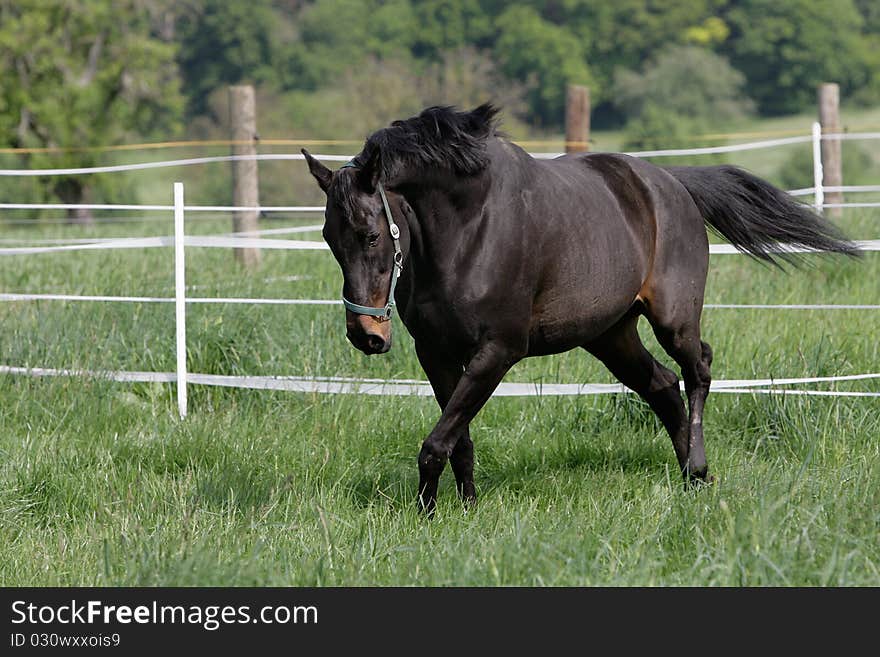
<point x="373" y="239"/>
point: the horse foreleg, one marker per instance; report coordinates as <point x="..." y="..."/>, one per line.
<point x="480" y="378"/>
<point x="444" y="372"/>
<point x="462" y="462"/>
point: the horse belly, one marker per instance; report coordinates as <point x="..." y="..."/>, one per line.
<point x="561" y="328"/>
<point x="583" y="298"/>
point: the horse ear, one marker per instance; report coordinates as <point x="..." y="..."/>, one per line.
<point x="484" y="118"/>
<point x="368" y="175"/>
<point x="321" y="173"/>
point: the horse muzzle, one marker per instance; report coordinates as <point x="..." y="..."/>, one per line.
<point x="368" y="334"/>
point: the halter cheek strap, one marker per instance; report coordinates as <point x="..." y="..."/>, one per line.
<point x="384" y="313"/>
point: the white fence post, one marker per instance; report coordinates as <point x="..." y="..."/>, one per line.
<point x="180" y="297"/>
<point x="818" y="175"/>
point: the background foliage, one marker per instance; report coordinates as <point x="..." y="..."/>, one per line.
<point x="101" y="485"/>
<point x="94" y="73"/>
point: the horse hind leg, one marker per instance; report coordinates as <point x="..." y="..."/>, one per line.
<point x="679" y="335"/>
<point x="621" y="350"/>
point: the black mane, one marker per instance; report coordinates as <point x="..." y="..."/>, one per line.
<point x="440" y="136"/>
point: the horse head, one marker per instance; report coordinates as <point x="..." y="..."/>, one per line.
<point x="366" y="242"/>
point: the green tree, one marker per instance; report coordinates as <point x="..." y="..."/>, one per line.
<point x="857" y="164"/>
<point x="625" y="33"/>
<point x="658" y="128"/>
<point x="224" y="43"/>
<point x="869" y="92"/>
<point x="786" y="48"/>
<point x="334" y="36"/>
<point x="687" y="81"/>
<point x="870" y="11"/>
<point x="79" y="74"/>
<point x="543" y="56"/>
<point x="449" y="25"/>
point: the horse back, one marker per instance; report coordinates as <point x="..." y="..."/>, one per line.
<point x="606" y="217"/>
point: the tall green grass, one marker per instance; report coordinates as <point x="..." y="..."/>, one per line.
<point x="100" y="483"/>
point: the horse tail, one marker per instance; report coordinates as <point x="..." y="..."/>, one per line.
<point x="756" y="217"/>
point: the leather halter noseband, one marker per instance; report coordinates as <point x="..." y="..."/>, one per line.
<point x="382" y="314"/>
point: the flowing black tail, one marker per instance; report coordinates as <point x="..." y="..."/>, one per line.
<point x="756" y="217"/>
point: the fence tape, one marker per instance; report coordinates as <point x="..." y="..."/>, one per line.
<point x="120" y="243"/>
<point x="404" y="387"/>
<point x="728" y="148"/>
<point x="257" y="208"/>
<point x="851" y="205"/>
<point x="850" y="188"/>
<point x="805" y="191"/>
<point x="314" y="228"/>
<point x="168" y="208"/>
<point x="139" y="166"/>
<point x="844" y="136"/>
<point x="11" y="296"/>
<point x="149" y="218"/>
<point x="729" y="249"/>
<point x="188" y="144"/>
<point x="792" y="306"/>
<point x="218" y="241"/>
<point x="99" y="240"/>
<point x="799" y="393"/>
<point x="354" y="142"/>
<point x="210" y="241"/>
<point x="83" y="206"/>
<point x="223" y="241"/>
<point x="708" y="150"/>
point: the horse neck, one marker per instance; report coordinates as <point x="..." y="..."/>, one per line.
<point x="443" y="204"/>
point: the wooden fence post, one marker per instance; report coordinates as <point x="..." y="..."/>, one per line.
<point x="245" y="181"/>
<point x="832" y="165"/>
<point x="577" y="119"/>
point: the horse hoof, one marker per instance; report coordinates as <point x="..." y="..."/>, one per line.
<point x="702" y="482"/>
<point x="427" y="507"/>
<point x="698" y="479"/>
<point x="468" y="495"/>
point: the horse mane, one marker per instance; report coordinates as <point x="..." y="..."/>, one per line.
<point x="439" y="136"/>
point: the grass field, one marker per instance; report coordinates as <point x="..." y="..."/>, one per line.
<point x="100" y="484"/>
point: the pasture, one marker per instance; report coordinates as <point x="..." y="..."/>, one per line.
<point x="102" y="484"/>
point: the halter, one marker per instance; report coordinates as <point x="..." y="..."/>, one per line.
<point x="382" y="314"/>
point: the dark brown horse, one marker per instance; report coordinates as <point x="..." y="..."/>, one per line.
<point x="500" y="256"/>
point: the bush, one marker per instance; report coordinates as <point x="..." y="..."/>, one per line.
<point x="858" y="165"/>
<point x="658" y="128"/>
<point x="686" y="81"/>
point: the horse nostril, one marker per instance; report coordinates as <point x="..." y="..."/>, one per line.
<point x="375" y="342"/>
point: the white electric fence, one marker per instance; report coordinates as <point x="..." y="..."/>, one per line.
<point x="340" y="385"/>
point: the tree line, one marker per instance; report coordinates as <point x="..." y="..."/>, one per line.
<point x="79" y="73"/>
<point x="779" y="48"/>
